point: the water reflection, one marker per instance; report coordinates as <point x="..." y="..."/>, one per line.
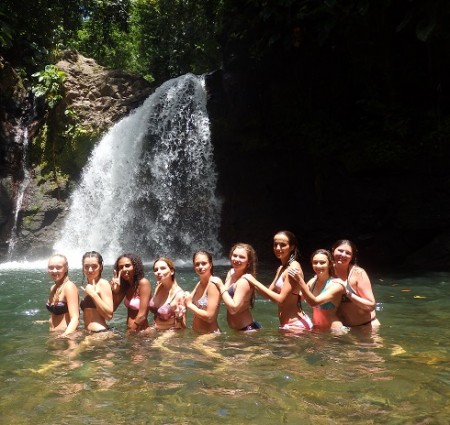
<point x="398" y="376"/>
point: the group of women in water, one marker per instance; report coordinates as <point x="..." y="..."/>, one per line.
<point x="340" y="293"/>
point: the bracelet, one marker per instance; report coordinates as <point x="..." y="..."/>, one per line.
<point x="223" y="292"/>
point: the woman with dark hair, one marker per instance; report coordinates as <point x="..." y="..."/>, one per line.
<point x="323" y="292"/>
<point x="358" y="303"/>
<point x="167" y="304"/>
<point x="97" y="304"/>
<point x="204" y="300"/>
<point x="131" y="285"/>
<point x="63" y="300"/>
<point x="237" y="293"/>
<point x="284" y="290"/>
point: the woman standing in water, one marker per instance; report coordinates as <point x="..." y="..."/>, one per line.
<point x="284" y="290"/>
<point x="323" y="292"/>
<point x="237" y="293"/>
<point x="204" y="300"/>
<point x="63" y="300"/>
<point x="131" y="285"/>
<point x="167" y="304"/>
<point x="358" y="304"/>
<point x="97" y="304"/>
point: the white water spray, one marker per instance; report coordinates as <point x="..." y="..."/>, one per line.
<point x="21" y="137"/>
<point x="149" y="186"/>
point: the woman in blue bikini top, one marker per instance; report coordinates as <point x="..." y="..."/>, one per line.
<point x="323" y="292"/>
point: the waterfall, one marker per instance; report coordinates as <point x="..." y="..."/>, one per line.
<point x="149" y="185"/>
<point x="20" y="137"/>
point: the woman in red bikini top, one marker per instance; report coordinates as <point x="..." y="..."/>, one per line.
<point x="167" y="304"/>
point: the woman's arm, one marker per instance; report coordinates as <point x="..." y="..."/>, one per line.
<point x="240" y="300"/>
<point x="103" y="299"/>
<point x="72" y="299"/>
<point x="212" y="291"/>
<point x="278" y="298"/>
<point x="328" y="295"/>
<point x="363" y="297"/>
<point x="145" y="292"/>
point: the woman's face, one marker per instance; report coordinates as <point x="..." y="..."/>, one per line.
<point x="57" y="268"/>
<point x="126" y="269"/>
<point x="92" y="269"/>
<point x="320" y="264"/>
<point x="281" y="247"/>
<point x="239" y="259"/>
<point x="343" y="254"/>
<point x="162" y="271"/>
<point x="202" y="265"/>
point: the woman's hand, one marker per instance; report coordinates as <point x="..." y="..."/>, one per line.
<point x="115" y="282"/>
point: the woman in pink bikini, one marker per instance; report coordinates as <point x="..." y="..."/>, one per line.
<point x="167" y="304"/>
<point x="130" y="285"/>
<point x="204" y="300"/>
<point x="284" y="290"/>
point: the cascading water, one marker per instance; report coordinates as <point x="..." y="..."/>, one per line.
<point x="149" y="186"/>
<point x="21" y="137"/>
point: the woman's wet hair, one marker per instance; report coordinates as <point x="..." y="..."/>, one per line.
<point x="138" y="267"/>
<point x="350" y="244"/>
<point x="293" y="242"/>
<point x="93" y="254"/>
<point x="208" y="256"/>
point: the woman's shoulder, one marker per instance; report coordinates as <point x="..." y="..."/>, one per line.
<point x="214" y="280"/>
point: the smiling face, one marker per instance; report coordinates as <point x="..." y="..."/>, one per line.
<point x="239" y="259"/>
<point x="57" y="268"/>
<point x="343" y="254"/>
<point x="126" y="269"/>
<point x="163" y="272"/>
<point x="321" y="264"/>
<point x="281" y="247"/>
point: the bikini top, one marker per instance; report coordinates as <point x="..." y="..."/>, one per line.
<point x="328" y="305"/>
<point x="58" y="308"/>
<point x="348" y="287"/>
<point x="279" y="283"/>
<point x="165" y="312"/>
<point x="202" y="303"/>
<point x="134" y="303"/>
<point x="87" y="302"/>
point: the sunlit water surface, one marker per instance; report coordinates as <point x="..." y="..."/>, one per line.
<point x="400" y="376"/>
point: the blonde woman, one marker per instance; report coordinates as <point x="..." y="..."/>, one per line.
<point x="237" y="293"/>
<point x="63" y="300"/>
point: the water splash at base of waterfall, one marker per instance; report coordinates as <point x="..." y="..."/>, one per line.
<point x="149" y="186"/>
